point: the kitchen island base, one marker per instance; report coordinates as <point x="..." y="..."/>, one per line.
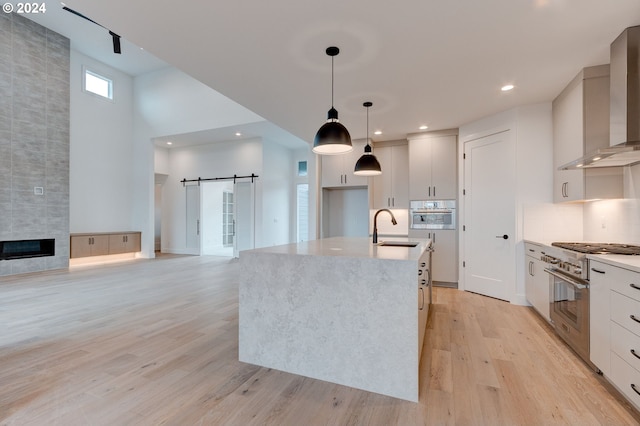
<point x="325" y="310"/>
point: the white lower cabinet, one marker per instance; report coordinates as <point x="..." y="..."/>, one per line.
<point x="445" y="256"/>
<point x="600" y="315"/>
<point x="424" y="298"/>
<point x="615" y="326"/>
<point x="626" y="379"/>
<point x="536" y="280"/>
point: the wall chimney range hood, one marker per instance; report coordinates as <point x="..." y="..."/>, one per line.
<point x="624" y="133"/>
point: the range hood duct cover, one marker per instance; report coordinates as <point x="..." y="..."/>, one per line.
<point x="625" y="88"/>
<point x="624" y="125"/>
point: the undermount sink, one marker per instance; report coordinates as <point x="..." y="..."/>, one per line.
<point x="399" y="243"/>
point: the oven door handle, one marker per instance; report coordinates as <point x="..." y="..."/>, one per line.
<point x="577" y="284"/>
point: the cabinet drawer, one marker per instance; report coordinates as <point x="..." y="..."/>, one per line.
<point x="623" y="342"/>
<point x="626" y="378"/>
<point x="623" y="310"/>
<point x="622" y="280"/>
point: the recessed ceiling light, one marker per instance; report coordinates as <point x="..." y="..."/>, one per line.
<point x="424" y="127"/>
<point x="169" y="143"/>
<point x="596" y="158"/>
<point x="507" y="87"/>
<point x="579" y="165"/>
<point x="377" y="132"/>
<point x="238" y="134"/>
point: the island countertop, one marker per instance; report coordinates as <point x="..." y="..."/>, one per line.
<point x="352" y="247"/>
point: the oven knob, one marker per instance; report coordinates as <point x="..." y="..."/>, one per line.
<point x="577" y="270"/>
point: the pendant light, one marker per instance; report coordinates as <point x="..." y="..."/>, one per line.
<point x="368" y="164"/>
<point x="332" y="138"/>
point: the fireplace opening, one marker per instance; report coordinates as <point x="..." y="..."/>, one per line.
<point x="27" y="248"/>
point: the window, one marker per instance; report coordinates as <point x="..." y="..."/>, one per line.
<point x="302" y="168"/>
<point x="302" y="198"/>
<point x="228" y="224"/>
<point x="97" y="84"/>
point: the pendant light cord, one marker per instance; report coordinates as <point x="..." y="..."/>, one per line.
<point x="332" y="82"/>
<point x="367" y="125"/>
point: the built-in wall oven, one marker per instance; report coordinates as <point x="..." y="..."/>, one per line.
<point x="432" y="214"/>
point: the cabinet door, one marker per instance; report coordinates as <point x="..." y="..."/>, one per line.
<point x="419" y="169"/>
<point x="99" y="245"/>
<point x="400" y="176"/>
<point x="444" y="172"/>
<point x="134" y="242"/>
<point x="391" y="188"/>
<point x="445" y="256"/>
<point x="600" y="316"/>
<point x="568" y="143"/>
<point x="541" y="288"/>
<point x="332" y="170"/>
<point x="432" y="168"/>
<point x="117" y="243"/>
<point x="337" y="170"/>
<point x="381" y="185"/>
<point x="80" y="246"/>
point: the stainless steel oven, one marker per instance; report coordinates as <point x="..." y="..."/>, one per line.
<point x="568" y="268"/>
<point x="569" y="310"/>
<point x="432" y="214"/>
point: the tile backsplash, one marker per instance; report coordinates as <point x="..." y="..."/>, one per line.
<point x="553" y="222"/>
<point x="611" y="221"/>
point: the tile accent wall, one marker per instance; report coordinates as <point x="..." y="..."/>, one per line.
<point x="34" y="140"/>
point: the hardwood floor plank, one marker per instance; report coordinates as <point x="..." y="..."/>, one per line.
<point x="153" y="342"/>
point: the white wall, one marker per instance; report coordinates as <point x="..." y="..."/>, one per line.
<point x="205" y="161"/>
<point x="277" y="182"/>
<point x="532" y="127"/>
<point x="101" y="161"/>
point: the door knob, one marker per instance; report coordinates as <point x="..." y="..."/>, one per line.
<point x="504" y="237"/>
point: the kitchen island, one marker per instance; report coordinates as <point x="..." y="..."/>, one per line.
<point x="339" y="309"/>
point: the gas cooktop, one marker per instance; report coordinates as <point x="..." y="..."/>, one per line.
<point x="599" y="248"/>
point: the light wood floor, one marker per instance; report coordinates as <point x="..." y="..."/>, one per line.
<point x="155" y="342"/>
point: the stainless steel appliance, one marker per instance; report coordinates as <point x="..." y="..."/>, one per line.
<point x="568" y="268"/>
<point x="432" y="214"/>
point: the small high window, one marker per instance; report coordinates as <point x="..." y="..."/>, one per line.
<point x="97" y="84"/>
<point x="302" y="168"/>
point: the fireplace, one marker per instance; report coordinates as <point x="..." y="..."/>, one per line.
<point x="22" y="249"/>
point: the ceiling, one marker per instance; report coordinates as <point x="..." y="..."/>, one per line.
<point x="421" y="62"/>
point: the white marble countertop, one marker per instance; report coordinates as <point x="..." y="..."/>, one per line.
<point x="351" y="247"/>
<point x="620" y="260"/>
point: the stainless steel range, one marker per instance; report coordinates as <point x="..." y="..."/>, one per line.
<point x="568" y="268"/>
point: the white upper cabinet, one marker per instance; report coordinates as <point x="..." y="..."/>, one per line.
<point x="391" y="188"/>
<point x="432" y="166"/>
<point x="581" y="125"/>
<point x="337" y="170"/>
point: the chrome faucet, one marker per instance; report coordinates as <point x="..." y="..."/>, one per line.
<point x="375" y="223"/>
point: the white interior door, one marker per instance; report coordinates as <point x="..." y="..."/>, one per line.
<point x="192" y="230"/>
<point x="244" y="216"/>
<point x="489" y="216"/>
<point x="216" y="222"/>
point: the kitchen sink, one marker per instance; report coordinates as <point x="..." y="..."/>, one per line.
<point x="399" y="243"/>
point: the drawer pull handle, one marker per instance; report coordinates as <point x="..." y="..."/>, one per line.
<point x="633" y="317"/>
<point x="635" y="389"/>
<point x="634" y="286"/>
<point x="633" y="352"/>
<point x="597" y="270"/>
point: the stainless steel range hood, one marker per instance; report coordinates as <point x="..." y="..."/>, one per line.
<point x="624" y="133"/>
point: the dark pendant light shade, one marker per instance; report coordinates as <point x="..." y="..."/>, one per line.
<point x="368" y="164"/>
<point x="332" y="138"/>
